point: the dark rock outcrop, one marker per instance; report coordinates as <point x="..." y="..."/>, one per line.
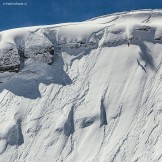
<point x="39" y="48"/>
<point x="9" y="58"/>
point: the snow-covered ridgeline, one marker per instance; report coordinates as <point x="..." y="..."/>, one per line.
<point x="88" y="91"/>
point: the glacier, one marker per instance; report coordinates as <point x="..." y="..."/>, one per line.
<point x="83" y="92"/>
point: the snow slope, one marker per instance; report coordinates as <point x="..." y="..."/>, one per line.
<point x="83" y="92"/>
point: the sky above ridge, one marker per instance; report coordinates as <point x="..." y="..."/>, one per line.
<point x="21" y="13"/>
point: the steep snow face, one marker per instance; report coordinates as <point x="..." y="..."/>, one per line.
<point x="83" y="92"/>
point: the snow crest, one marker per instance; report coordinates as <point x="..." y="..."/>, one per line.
<point x="83" y="92"/>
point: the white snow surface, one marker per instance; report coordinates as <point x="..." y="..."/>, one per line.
<point x="100" y="100"/>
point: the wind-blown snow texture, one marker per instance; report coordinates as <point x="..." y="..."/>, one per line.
<point x="83" y="92"/>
